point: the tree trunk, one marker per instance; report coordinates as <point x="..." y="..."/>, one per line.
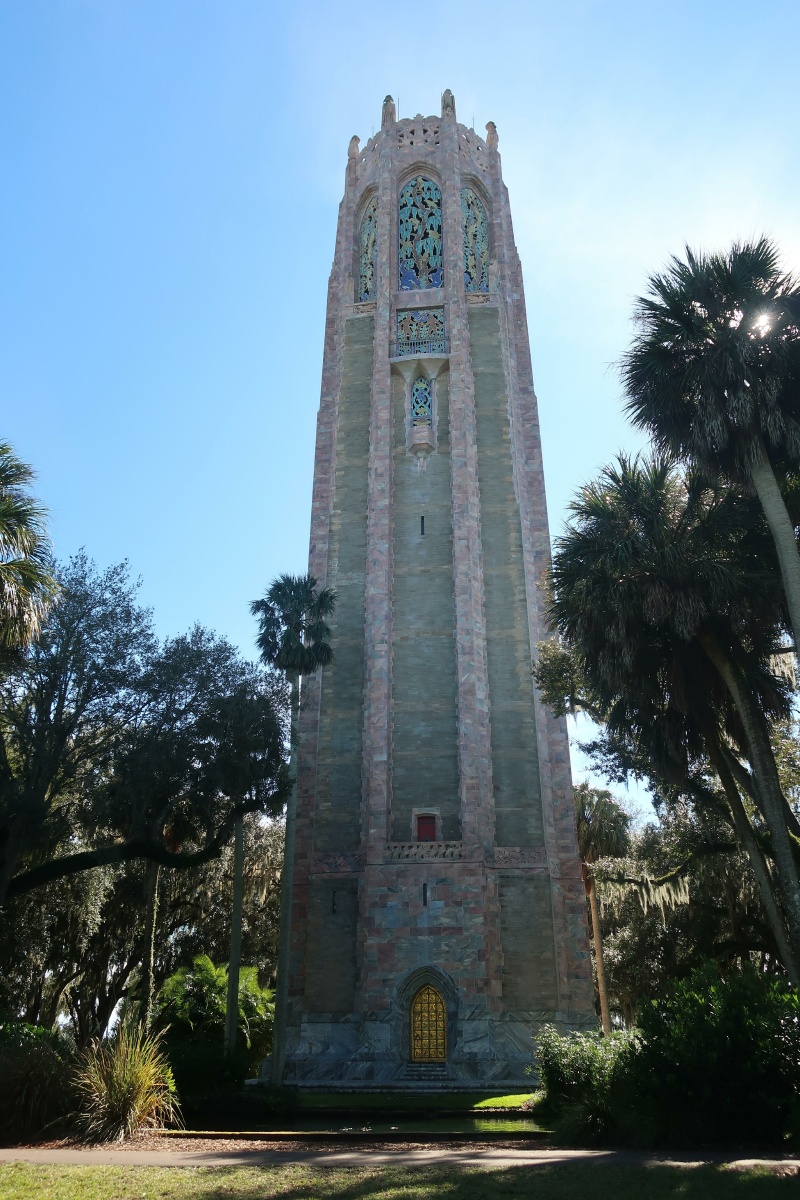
<point x="783" y="535"/>
<point x="232" y="1004"/>
<point x="148" y="976"/>
<point x="766" y="775"/>
<point x="282" y="983"/>
<point x="746" y="785"/>
<point x="759" y="865"/>
<point x="605" y="1012"/>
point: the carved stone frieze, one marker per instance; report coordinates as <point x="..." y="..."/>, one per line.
<point x="422" y="851"/>
<point x="337" y="864"/>
<point x="520" y="856"/>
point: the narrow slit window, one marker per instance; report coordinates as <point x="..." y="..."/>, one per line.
<point x="424" y="895"/>
<point x="333" y="902"/>
<point x="422" y="526"/>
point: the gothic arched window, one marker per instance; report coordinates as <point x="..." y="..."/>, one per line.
<point x="420" y="227"/>
<point x="476" y="242"/>
<point x="368" y="252"/>
<point x="428" y="1026"/>
<point x="421" y="402"/>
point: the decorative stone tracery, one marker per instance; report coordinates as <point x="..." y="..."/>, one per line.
<point x="476" y="242"/>
<point x="420" y="331"/>
<point x="420" y="235"/>
<point x="368" y="252"/>
<point x="421" y="402"/>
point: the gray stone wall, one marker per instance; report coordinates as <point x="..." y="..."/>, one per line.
<point x="338" y="791"/>
<point x="515" y="765"/>
<point x="332" y="928"/>
<point x="424" y="705"/>
<point x="526" y="933"/>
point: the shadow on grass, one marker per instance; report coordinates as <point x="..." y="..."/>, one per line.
<point x="539" y="1181"/>
<point x="566" y="1181"/>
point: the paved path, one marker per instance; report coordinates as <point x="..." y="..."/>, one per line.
<point x="488" y="1159"/>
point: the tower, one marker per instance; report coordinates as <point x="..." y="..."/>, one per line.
<point x="437" y="911"/>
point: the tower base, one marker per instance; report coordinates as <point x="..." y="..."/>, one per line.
<point x="370" y="1053"/>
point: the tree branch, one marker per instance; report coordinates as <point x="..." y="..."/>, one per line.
<point x="121" y="852"/>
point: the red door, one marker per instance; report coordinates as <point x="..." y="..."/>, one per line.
<point x="426" y="829"/>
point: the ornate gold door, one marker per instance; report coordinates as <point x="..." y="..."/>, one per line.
<point x="428" y="1026"/>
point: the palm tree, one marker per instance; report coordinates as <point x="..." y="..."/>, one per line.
<point x="293" y="638"/>
<point x="602" y="833"/>
<point x="666" y="592"/>
<point x="714" y="374"/>
<point x="27" y="586"/>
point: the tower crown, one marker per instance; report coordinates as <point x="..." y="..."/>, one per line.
<point x="421" y="133"/>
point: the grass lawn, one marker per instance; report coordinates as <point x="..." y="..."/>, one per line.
<point x="397" y="1102"/>
<point x="22" y="1181"/>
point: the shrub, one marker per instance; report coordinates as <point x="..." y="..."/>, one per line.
<point x="718" y="1060"/>
<point x="125" y="1085"/>
<point x="191" y="1007"/>
<point x="35" y="1091"/>
<point x="578" y="1072"/>
<point x="579" y="1063"/>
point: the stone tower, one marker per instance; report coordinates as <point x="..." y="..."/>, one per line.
<point x="437" y="911"/>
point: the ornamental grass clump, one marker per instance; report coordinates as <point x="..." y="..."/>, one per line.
<point x="123" y="1086"/>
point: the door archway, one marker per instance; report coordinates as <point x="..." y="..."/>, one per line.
<point x="428" y="1026"/>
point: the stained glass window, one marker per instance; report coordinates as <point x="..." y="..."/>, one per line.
<point x="420" y="331"/>
<point x="420" y="221"/>
<point x="476" y="242"/>
<point x="428" y="1026"/>
<point x="421" y="402"/>
<point x="368" y="252"/>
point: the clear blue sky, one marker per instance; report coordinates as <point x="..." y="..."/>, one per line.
<point x="171" y="175"/>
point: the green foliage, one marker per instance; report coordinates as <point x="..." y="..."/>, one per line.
<point x="27" y="586"/>
<point x="192" y="1004"/>
<point x="124" y="1085"/>
<point x="603" y="825"/>
<point x="572" y="1065"/>
<point x="578" y="1072"/>
<point x="192" y="1001"/>
<point x="293" y="633"/>
<point x="191" y="1009"/>
<point x="650" y="944"/>
<point x="35" y="1089"/>
<point x="115" y="747"/>
<point x="716" y="1060"/>
<point x="711" y="373"/>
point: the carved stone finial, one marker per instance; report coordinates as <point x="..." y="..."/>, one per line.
<point x="448" y="104"/>
<point x="352" y="149"/>
<point x="389" y="115"/>
<point x="491" y="135"/>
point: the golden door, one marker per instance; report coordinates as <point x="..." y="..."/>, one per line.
<point x="428" y="1026"/>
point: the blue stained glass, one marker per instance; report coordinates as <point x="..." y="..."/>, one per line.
<point x="476" y="242"/>
<point x="420" y="230"/>
<point x="421" y="402"/>
<point x="368" y="252"/>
